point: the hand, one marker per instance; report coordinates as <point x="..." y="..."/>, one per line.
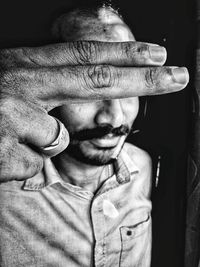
<point x="35" y="80"/>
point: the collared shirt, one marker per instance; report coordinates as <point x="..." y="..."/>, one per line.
<point x="46" y="222"/>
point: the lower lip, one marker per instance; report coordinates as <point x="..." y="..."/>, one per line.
<point x="105" y="143"/>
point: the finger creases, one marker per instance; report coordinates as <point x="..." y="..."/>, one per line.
<point x="130" y="53"/>
<point x="115" y="53"/>
<point x="33" y="126"/>
<point x="95" y="82"/>
<point x="47" y="134"/>
<point x="105" y="82"/>
<point x="131" y="82"/>
<point x="59" y="144"/>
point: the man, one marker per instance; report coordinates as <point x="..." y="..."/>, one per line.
<point x="35" y="80"/>
<point x="93" y="208"/>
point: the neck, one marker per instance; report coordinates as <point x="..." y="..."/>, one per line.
<point x="87" y="176"/>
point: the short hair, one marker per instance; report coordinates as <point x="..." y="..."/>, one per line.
<point x="70" y="26"/>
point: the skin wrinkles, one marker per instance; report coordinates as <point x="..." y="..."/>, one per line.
<point x="96" y="128"/>
<point x="34" y="74"/>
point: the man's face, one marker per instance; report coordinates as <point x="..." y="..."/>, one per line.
<point x="98" y="129"/>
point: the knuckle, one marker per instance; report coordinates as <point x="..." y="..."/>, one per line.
<point x="100" y="76"/>
<point x="151" y="78"/>
<point x="142" y="53"/>
<point x="143" y="50"/>
<point x="127" y="50"/>
<point x="85" y="52"/>
<point x="137" y="50"/>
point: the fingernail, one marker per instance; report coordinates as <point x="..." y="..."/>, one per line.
<point x="180" y="75"/>
<point x="157" y="53"/>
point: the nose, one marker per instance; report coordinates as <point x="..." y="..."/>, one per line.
<point x="111" y="112"/>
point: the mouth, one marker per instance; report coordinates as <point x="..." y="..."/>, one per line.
<point x="108" y="141"/>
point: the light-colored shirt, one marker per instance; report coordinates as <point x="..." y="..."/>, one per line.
<point x="46" y="222"/>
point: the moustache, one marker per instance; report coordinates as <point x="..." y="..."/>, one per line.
<point x="98" y="132"/>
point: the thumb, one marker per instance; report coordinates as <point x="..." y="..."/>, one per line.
<point x="58" y="145"/>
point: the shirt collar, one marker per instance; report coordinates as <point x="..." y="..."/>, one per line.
<point x="47" y="177"/>
<point x="124" y="166"/>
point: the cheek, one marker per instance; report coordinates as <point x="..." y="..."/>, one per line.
<point x="77" y="116"/>
<point x="130" y="108"/>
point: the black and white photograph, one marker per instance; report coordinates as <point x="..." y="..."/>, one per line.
<point x="100" y="133"/>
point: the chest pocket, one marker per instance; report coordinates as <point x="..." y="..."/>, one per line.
<point x="136" y="244"/>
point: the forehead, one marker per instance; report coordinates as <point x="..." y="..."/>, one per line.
<point x="119" y="31"/>
<point x="107" y="15"/>
<point x="107" y="27"/>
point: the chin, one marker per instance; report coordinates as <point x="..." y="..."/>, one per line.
<point x="90" y="156"/>
<point x="96" y="161"/>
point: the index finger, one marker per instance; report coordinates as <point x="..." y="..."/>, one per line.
<point x="57" y="86"/>
<point x="86" y="53"/>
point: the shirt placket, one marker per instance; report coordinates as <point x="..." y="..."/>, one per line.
<point x="99" y="229"/>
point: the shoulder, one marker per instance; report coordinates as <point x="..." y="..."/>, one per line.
<point x="140" y="159"/>
<point x="139" y="156"/>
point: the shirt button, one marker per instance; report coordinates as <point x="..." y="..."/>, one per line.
<point x="129" y="232"/>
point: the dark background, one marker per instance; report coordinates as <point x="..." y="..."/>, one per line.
<point x="165" y="129"/>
